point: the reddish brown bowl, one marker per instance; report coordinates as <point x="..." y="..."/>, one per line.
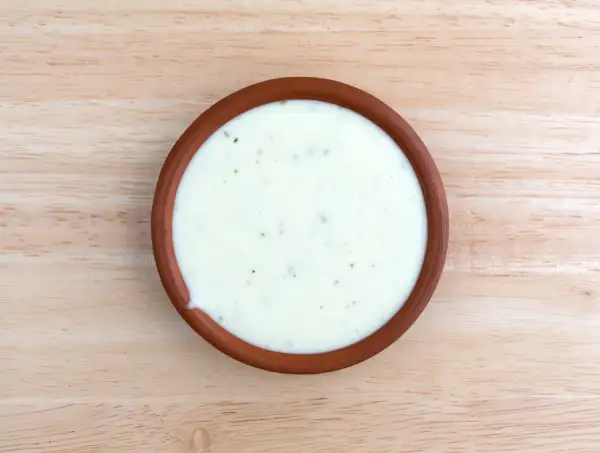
<point x="280" y="90"/>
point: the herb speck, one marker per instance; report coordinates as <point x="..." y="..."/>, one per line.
<point x="226" y="133"/>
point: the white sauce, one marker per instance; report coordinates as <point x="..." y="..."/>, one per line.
<point x="300" y="227"/>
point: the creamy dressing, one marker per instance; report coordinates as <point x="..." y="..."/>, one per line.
<point x="300" y="226"/>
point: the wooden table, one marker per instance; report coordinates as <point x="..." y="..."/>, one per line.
<point x="93" y="358"/>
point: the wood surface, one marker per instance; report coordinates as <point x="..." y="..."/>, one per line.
<point x="93" y="357"/>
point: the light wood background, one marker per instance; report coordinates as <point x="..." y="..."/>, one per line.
<point x="93" y="358"/>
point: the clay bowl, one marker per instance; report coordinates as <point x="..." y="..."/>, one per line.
<point x="280" y="90"/>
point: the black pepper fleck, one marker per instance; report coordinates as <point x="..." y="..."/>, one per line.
<point x="235" y="140"/>
<point x="326" y="151"/>
<point x="321" y="307"/>
<point x="262" y="235"/>
<point x="323" y="218"/>
<point x="336" y="282"/>
<point x="226" y="133"/>
<point x="235" y="171"/>
<point x="220" y="318"/>
<point x="352" y="265"/>
<point x="253" y="271"/>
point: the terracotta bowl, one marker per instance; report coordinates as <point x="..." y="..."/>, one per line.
<point x="288" y="89"/>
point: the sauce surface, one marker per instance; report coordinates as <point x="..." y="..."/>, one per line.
<point x="300" y="227"/>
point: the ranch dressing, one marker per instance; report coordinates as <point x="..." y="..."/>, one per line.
<point x="300" y="227"/>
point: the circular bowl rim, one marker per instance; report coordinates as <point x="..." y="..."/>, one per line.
<point x="283" y="89"/>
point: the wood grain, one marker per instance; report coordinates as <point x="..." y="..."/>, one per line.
<point x="92" y="356"/>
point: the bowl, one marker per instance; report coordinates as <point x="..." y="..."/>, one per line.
<point x="304" y="88"/>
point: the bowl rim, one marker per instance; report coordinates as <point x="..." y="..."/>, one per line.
<point x="283" y="89"/>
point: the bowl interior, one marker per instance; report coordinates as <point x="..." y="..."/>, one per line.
<point x="280" y="90"/>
